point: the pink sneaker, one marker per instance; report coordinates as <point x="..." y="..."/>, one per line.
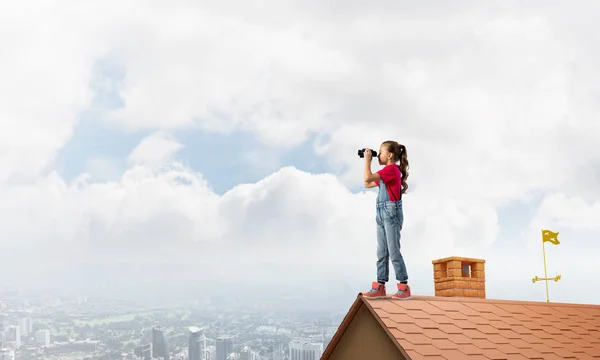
<point x="403" y="292"/>
<point x="377" y="291"/>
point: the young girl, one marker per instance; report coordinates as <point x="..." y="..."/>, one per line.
<point x="391" y="181"/>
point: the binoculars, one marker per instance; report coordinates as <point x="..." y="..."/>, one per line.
<point x="361" y="153"/>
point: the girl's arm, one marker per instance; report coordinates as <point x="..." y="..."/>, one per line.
<point x="369" y="176"/>
<point x="371" y="184"/>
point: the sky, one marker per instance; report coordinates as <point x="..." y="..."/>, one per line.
<point x="213" y="145"/>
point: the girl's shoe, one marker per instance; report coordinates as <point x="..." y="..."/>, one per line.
<point x="377" y="291"/>
<point x="403" y="292"/>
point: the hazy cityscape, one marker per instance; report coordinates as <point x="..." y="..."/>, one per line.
<point x="35" y="326"/>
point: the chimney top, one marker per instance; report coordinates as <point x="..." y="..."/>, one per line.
<point x="459" y="277"/>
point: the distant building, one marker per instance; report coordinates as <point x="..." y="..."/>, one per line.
<point x="160" y="346"/>
<point x="42" y="337"/>
<point x="224" y="347"/>
<point x="246" y="354"/>
<point x="278" y="351"/>
<point x="300" y="350"/>
<point x="26" y="325"/>
<point x="196" y="344"/>
<point x="144" y="351"/>
<point x="14" y="334"/>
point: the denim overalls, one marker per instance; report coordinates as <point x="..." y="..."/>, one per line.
<point x="390" y="218"/>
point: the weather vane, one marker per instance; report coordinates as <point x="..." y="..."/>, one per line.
<point x="551" y="237"/>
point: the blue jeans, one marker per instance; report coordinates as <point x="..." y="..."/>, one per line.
<point x="390" y="218"/>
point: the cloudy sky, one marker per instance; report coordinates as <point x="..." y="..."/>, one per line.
<point x="144" y="142"/>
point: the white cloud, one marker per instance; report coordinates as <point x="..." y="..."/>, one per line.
<point x="159" y="218"/>
<point x="155" y="151"/>
<point x="495" y="105"/>
<point x="573" y="213"/>
<point x="45" y="73"/>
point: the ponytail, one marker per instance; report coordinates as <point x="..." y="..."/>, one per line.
<point x="403" y="166"/>
<point x="400" y="155"/>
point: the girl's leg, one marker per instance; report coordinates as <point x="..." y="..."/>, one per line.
<point x="378" y="287"/>
<point x="393" y="227"/>
<point x="383" y="255"/>
<point x="392" y="222"/>
<point x="393" y="242"/>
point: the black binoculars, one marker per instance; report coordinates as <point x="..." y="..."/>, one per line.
<point x="361" y="153"/>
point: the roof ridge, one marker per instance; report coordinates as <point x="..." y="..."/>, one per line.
<point x="494" y="301"/>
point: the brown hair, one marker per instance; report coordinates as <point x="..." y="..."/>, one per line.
<point x="399" y="152"/>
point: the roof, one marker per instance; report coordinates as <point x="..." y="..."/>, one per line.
<point x="450" y="328"/>
<point x="195" y="329"/>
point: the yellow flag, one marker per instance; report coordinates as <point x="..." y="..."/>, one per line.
<point x="549" y="236"/>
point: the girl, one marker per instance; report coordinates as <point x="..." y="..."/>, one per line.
<point x="391" y="181"/>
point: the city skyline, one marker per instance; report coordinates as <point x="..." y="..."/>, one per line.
<point x="102" y="329"/>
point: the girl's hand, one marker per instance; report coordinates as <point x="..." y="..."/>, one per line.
<point x="368" y="154"/>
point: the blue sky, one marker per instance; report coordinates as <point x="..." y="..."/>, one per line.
<point x="219" y="157"/>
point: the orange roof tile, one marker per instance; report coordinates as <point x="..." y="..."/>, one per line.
<point x="454" y="328"/>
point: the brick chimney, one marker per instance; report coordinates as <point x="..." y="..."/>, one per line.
<point x="459" y="276"/>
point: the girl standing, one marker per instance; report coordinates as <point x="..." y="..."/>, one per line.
<point x="391" y="180"/>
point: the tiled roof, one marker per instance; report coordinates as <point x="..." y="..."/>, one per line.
<point x="455" y="328"/>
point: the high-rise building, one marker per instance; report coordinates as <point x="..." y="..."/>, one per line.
<point x="160" y="347"/>
<point x="196" y="344"/>
<point x="300" y="350"/>
<point x="246" y="354"/>
<point x="224" y="347"/>
<point x="278" y="351"/>
<point x="14" y="334"/>
<point x="42" y="337"/>
<point x="26" y="325"/>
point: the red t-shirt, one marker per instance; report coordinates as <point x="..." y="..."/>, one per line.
<point x="392" y="177"/>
